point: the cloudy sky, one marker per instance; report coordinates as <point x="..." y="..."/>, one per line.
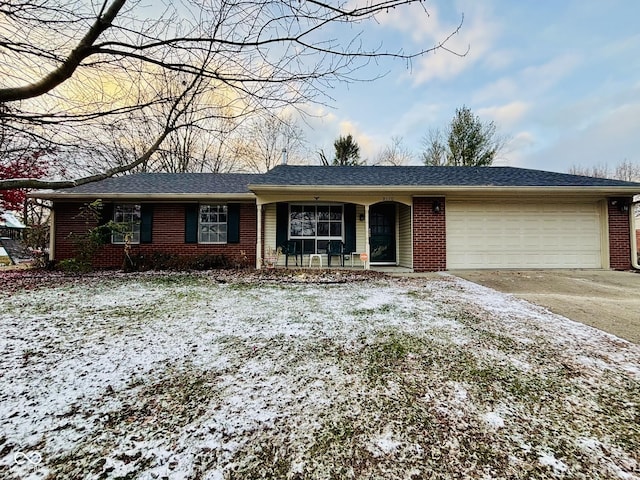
<point x="560" y="78"/>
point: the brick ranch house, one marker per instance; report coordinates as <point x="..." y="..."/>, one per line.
<point x="419" y="218"/>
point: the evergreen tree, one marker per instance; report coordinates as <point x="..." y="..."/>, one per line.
<point x="347" y="151"/>
<point x="469" y="142"/>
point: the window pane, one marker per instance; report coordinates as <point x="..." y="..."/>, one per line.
<point x="137" y="213"/>
<point x="308" y="228"/>
<point x="126" y="216"/>
<point x="336" y="229"/>
<point x="213" y="224"/>
<point x="296" y="228"/>
<point x="323" y="229"/>
<point x="323" y="213"/>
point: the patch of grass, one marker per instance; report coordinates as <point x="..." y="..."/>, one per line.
<point x="385" y="309"/>
<point x="175" y="280"/>
<point x="265" y="460"/>
<point x="166" y="405"/>
<point x="456" y="396"/>
<point x="619" y="411"/>
<point x="388" y="353"/>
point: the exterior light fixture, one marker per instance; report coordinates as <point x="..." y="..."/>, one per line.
<point x="436" y="206"/>
<point x="622" y="204"/>
<point x="361" y="217"/>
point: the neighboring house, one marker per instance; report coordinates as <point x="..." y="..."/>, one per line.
<point x="10" y="226"/>
<point x="11" y="232"/>
<point x="421" y="218"/>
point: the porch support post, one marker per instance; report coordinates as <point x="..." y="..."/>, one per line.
<point x="259" y="237"/>
<point x="367" y="235"/>
<point x="52" y="234"/>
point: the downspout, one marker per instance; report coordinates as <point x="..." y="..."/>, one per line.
<point x="634" y="238"/>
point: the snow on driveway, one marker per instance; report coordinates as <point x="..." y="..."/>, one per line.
<point x="184" y="376"/>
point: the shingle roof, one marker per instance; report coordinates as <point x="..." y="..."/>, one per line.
<point x="428" y="176"/>
<point x="167" y="183"/>
<point x="241" y="185"/>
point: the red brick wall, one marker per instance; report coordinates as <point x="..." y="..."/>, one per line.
<point x="619" y="236"/>
<point x="429" y="235"/>
<point x="167" y="235"/>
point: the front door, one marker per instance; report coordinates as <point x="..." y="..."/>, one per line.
<point x="382" y="222"/>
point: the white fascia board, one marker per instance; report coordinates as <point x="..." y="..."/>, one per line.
<point x="437" y="189"/>
<point x="146" y="197"/>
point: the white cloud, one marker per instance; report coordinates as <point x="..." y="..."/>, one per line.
<point x="531" y="81"/>
<point x="500" y="59"/>
<point x="608" y="140"/>
<point x="324" y="127"/>
<point x="514" y="154"/>
<point x="369" y="145"/>
<point x="417" y="20"/>
<point x="506" y="115"/>
<point x="478" y="35"/>
<point x="419" y="119"/>
<point x="547" y="75"/>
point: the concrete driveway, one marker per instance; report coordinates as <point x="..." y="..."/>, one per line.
<point x="604" y="299"/>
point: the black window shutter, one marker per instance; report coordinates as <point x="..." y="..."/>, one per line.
<point x="146" y="223"/>
<point x="282" y="223"/>
<point x="106" y="216"/>
<point x="191" y="223"/>
<point x="233" y="223"/>
<point x="350" y="227"/>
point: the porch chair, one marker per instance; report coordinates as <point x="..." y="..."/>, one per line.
<point x="335" y="248"/>
<point x="293" y="248"/>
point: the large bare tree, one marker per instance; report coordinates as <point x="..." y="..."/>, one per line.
<point x="268" y="138"/>
<point x="625" y="170"/>
<point x="71" y="70"/>
<point x="395" y="153"/>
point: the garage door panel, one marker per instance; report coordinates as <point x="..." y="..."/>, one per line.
<point x="523" y="235"/>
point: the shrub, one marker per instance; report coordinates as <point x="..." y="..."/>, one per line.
<point x="170" y="261"/>
<point x="73" y="265"/>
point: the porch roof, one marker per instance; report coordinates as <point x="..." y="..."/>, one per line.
<point x="422" y="176"/>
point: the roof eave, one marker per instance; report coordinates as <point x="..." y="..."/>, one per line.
<point x="440" y="189"/>
<point x="143" y="196"/>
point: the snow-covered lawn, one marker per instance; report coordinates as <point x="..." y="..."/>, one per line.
<point x="197" y="376"/>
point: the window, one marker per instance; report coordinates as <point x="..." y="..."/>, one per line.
<point x="212" y="226"/>
<point x="127" y="218"/>
<point x="315" y="225"/>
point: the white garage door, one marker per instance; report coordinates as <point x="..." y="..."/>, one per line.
<point x="523" y="235"/>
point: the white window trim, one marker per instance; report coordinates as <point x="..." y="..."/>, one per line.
<point x="212" y="223"/>
<point x="133" y="232"/>
<point x="316" y="237"/>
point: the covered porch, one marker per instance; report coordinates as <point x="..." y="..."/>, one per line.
<point x="331" y="231"/>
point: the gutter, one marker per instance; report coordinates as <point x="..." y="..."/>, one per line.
<point x="418" y="190"/>
<point x="144" y="197"/>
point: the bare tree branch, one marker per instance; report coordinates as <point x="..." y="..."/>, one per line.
<point x="80" y="73"/>
<point x="67" y="69"/>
